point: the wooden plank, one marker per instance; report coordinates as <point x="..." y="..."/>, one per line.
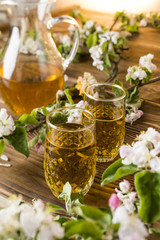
<point x="26" y="176"/>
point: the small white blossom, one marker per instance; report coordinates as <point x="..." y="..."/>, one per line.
<point x="82" y="104"/>
<point x="120" y="194"/>
<point x="99" y="64"/>
<point x="150" y="135"/>
<point x="65" y="39"/>
<point x="34" y="220"/>
<point x="83" y="82"/>
<point x="125" y="150"/>
<point x="137" y="73"/>
<point x="145" y="153"/>
<point x="29" y="221"/>
<point x="96" y="52"/>
<point x="115" y="36"/>
<point x="145" y="62"/>
<point x="156" y="150"/>
<point x="117" y="215"/>
<point x="128" y="204"/>
<point x="134" y="115"/>
<point x="133" y="228"/>
<point x="127" y="197"/>
<point x="125" y="186"/>
<point x="154" y="164"/>
<point x="6" y="123"/>
<point x="143" y="22"/>
<point x="99" y="28"/>
<point x="139" y="155"/>
<point x="30" y="46"/>
<point x="132" y="196"/>
<point x="75" y="116"/>
<point x="109" y="36"/>
<point x="71" y="29"/>
<point x="89" y="24"/>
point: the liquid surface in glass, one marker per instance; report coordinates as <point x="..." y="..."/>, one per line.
<point x="70" y="156"/>
<point x="32" y="85"/>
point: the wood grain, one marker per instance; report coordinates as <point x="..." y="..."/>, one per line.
<point x="26" y="176"/>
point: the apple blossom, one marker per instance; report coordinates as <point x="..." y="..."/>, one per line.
<point x="82" y="104"/>
<point x="120" y="215"/>
<point x="133" y="116"/>
<point x="154" y="164"/>
<point x="132" y="228"/>
<point x="145" y="62"/>
<point x="84" y="81"/>
<point x="125" y="150"/>
<point x="150" y="135"/>
<point x="125" y="186"/>
<point x="114" y="201"/>
<point x="6" y="123"/>
<point x="143" y="22"/>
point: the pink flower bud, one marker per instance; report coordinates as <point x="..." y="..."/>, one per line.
<point x="125" y="186"/>
<point x="125" y="151"/>
<point x="39" y="147"/>
<point x="114" y="201"/>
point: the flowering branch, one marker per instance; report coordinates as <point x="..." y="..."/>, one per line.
<point x="20" y="220"/>
<point x="143" y="84"/>
<point x="141" y="158"/>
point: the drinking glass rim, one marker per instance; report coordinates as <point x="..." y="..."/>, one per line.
<point x="105" y="100"/>
<point x="77" y="130"/>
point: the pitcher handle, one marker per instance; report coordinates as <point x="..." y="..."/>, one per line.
<point x="53" y="21"/>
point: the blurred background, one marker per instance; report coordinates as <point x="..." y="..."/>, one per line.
<point x="111" y="6"/>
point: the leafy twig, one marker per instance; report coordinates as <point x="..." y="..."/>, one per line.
<point x="114" y="23"/>
<point x="143" y="84"/>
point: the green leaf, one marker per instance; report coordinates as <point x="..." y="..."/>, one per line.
<point x="68" y="95"/>
<point x="93" y="214"/>
<point x="92" y="40"/>
<point x="119" y="14"/>
<point x="28" y="119"/>
<point x="66" y="195"/>
<point x="133" y="28"/>
<point x="147" y="186"/>
<point x="155" y="231"/>
<point x="77" y="198"/>
<point x="2" y="146"/>
<point x="53" y="207"/>
<point x="45" y="111"/>
<point x="133" y="96"/>
<point x="116" y="171"/>
<point x="112" y="53"/>
<point x="117" y="91"/>
<point x="19" y="140"/>
<point x="84" y="229"/>
<point x="59" y="118"/>
<point x="107" y="60"/>
<point x="105" y="70"/>
<point x="33" y="141"/>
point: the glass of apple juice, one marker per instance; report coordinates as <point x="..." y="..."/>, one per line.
<point x="107" y="104"/>
<point x="70" y="150"/>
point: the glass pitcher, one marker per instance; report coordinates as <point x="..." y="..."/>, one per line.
<point x="31" y="67"/>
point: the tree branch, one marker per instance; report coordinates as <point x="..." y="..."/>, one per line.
<point x="143" y="84"/>
<point x="114" y="23"/>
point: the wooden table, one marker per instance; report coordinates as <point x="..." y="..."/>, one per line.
<point x="26" y="176"/>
